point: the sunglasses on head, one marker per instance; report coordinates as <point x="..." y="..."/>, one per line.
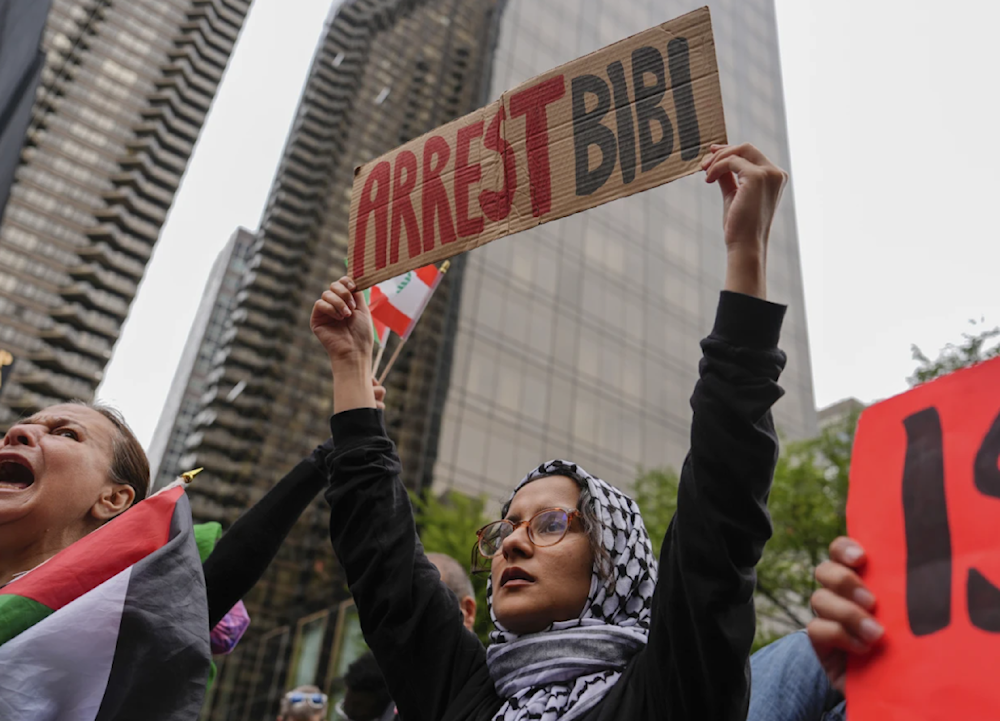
<point x="315" y="700"/>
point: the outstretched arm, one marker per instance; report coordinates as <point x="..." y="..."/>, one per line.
<point x="244" y="552"/>
<point x="411" y="621"/>
<point x="703" y="616"/>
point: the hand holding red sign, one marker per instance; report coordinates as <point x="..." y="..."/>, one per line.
<point x="924" y="476"/>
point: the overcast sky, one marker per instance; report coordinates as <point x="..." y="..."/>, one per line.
<point x="892" y="113"/>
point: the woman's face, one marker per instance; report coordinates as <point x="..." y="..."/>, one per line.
<point x="54" y="476"/>
<point x="534" y="587"/>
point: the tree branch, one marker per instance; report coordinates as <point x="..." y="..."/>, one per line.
<point x="782" y="606"/>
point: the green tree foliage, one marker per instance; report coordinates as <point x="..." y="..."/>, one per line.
<point x="807" y="506"/>
<point x="448" y="525"/>
<point x="975" y="347"/>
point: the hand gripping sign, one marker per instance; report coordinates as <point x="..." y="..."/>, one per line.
<point x="925" y="504"/>
<point x="637" y="114"/>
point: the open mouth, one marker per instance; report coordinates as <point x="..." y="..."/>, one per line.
<point x="516" y="577"/>
<point x="15" y="476"/>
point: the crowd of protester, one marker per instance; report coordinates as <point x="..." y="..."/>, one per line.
<point x="587" y="624"/>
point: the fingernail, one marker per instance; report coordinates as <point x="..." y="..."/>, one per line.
<point x="864" y="597"/>
<point x="871" y="631"/>
<point x="853" y="553"/>
<point x="347" y="312"/>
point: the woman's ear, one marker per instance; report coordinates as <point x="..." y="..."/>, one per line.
<point x="114" y="499"/>
<point x="468" y="608"/>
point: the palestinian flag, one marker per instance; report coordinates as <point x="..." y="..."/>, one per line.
<point x="113" y="627"/>
<point x="398" y="302"/>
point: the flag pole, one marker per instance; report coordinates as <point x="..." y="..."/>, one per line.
<point x="392" y="360"/>
<point x="402" y="341"/>
<point x="381" y="352"/>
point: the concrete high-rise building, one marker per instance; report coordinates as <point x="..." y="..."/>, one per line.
<point x="385" y="71"/>
<point x="193" y="376"/>
<point x="580" y="338"/>
<point x="124" y="92"/>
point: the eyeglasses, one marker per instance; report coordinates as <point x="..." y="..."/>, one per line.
<point x="545" y="528"/>
<point x="313" y="700"/>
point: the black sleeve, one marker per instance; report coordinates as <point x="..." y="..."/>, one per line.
<point x="244" y="552"/>
<point x="411" y="621"/>
<point x="703" y="612"/>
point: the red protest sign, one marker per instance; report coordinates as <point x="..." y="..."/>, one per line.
<point x="925" y="504"/>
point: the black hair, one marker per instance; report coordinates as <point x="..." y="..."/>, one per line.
<point x="365" y="676"/>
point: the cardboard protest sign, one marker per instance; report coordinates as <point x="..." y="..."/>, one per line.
<point x="925" y="503"/>
<point x="634" y="115"/>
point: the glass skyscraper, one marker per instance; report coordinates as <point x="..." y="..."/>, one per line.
<point x="124" y="92"/>
<point x="579" y="338"/>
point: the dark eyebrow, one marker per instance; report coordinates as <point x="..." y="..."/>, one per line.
<point x="51" y="422"/>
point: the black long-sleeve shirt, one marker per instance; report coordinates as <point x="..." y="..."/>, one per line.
<point x="245" y="551"/>
<point x="696" y="663"/>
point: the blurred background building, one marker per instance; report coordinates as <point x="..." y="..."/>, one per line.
<point x="208" y="335"/>
<point x="124" y="90"/>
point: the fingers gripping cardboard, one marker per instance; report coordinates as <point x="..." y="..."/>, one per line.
<point x="629" y="117"/>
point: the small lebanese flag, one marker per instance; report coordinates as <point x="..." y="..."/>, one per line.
<point x="398" y="302"/>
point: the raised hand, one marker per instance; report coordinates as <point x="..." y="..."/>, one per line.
<point x="342" y="323"/>
<point x="843" y="623"/>
<point x="751" y="187"/>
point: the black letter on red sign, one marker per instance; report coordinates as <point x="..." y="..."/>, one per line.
<point x="925" y="517"/>
<point x="687" y="116"/>
<point x="647" y="107"/>
<point x="983" y="596"/>
<point x="587" y="131"/>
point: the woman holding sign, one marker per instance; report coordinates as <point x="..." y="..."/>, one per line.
<point x="587" y="626"/>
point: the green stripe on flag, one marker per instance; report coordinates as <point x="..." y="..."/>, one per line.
<point x="206" y="535"/>
<point x="18" y="614"/>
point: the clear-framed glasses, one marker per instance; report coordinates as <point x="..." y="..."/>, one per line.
<point x="313" y="700"/>
<point x="545" y="528"/>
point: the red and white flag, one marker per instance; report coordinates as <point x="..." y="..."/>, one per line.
<point x="398" y="302"/>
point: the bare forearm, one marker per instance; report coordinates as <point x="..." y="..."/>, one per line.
<point x="352" y="384"/>
<point x="746" y="271"/>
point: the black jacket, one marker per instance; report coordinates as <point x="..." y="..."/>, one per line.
<point x="245" y="551"/>
<point x="695" y="666"/>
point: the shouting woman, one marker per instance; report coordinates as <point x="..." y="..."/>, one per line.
<point x="587" y="626"/>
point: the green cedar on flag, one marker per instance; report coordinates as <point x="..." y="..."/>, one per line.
<point x="113" y="627"/>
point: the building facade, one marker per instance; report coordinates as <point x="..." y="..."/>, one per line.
<point x="124" y="92"/>
<point x="580" y="338"/>
<point x="205" y="339"/>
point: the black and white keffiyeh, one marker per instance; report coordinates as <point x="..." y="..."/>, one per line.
<point x="564" y="671"/>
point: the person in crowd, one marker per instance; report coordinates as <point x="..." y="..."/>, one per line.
<point x="586" y="625"/>
<point x="458" y="582"/>
<point x="305" y="703"/>
<point x="366" y="697"/>
<point x="789" y="684"/>
<point x="71" y="468"/>
<point x="802" y="676"/>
